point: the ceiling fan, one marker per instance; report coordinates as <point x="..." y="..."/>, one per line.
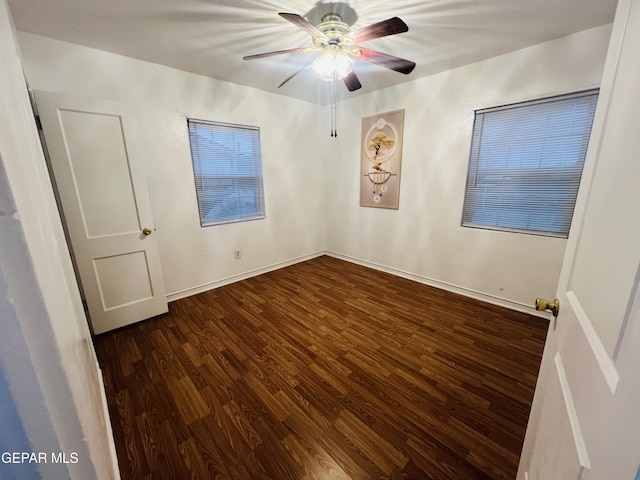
<point x="338" y="47"/>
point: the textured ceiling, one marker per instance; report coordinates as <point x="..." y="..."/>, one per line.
<point x="210" y="37"/>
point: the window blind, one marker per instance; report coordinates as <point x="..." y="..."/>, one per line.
<point x="227" y="165"/>
<point x="526" y="162"/>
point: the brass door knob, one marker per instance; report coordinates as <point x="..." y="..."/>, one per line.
<point x="553" y="307"/>
<point x="146" y="231"/>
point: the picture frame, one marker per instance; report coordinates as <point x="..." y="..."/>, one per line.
<point x="381" y="159"/>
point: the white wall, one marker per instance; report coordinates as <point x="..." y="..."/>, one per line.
<point x="46" y="355"/>
<point x="195" y="258"/>
<point x="423" y="239"/>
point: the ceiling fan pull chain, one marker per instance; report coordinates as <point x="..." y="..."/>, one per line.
<point x="333" y="107"/>
<point x="335" y="104"/>
<point x="332" y="94"/>
<point x="333" y="116"/>
<point x="334" y="128"/>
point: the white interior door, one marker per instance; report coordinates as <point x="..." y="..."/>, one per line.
<point x="585" y="417"/>
<point x="96" y="162"/>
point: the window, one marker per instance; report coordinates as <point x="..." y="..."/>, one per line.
<point x="227" y="165"/>
<point x="525" y="164"/>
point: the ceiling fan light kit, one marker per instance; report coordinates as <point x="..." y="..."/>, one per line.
<point x="332" y="62"/>
<point x="338" y="50"/>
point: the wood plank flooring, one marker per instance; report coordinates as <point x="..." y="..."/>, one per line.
<point x="322" y="370"/>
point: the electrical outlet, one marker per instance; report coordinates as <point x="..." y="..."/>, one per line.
<point x="236" y="253"/>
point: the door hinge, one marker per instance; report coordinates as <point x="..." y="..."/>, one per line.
<point x="38" y="122"/>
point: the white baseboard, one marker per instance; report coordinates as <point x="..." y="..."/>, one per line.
<point x="467" y="292"/>
<point x="241" y="276"/>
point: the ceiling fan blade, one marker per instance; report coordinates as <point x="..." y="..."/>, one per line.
<point x="385" y="28"/>
<point x="352" y="82"/>
<point x="277" y="52"/>
<point x="396" y="64"/>
<point x="294" y="74"/>
<point x="300" y="22"/>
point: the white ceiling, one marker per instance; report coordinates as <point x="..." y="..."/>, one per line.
<point x="210" y="37"/>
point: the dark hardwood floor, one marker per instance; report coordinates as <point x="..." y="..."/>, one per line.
<point x="322" y="370"/>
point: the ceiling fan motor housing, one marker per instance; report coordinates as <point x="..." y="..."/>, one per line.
<point x="335" y="30"/>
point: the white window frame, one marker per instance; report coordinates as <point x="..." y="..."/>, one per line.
<point x="525" y="164"/>
<point x="227" y="169"/>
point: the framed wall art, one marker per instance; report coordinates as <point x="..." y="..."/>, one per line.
<point x="380" y="159"/>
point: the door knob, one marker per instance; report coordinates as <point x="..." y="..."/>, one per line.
<point x="553" y="307"/>
<point x="146" y="231"/>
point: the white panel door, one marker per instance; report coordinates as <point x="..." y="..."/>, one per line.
<point x="585" y="417"/>
<point x="96" y="163"/>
